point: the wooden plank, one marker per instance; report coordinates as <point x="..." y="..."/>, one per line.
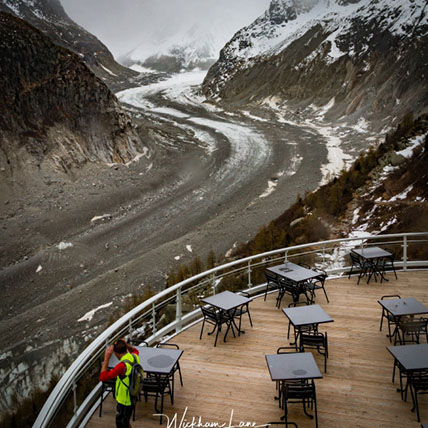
<point x="233" y="377"/>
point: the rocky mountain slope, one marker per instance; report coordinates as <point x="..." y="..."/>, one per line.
<point x="385" y="191"/>
<point x="50" y="18"/>
<point x="370" y="57"/>
<point x="55" y="113"/>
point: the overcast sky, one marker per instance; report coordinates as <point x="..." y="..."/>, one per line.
<point x="123" y="25"/>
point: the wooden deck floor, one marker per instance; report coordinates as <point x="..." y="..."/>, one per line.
<point x="232" y="380"/>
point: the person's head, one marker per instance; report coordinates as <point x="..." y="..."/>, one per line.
<point x="119" y="347"/>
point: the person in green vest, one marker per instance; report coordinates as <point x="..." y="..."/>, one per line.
<point x="121" y="373"/>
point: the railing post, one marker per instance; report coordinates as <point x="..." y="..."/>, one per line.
<point x="249" y="274"/>
<point x="214" y="284"/>
<point x="178" y="310"/>
<point x="323" y="255"/>
<point x="74" y="387"/>
<point x="286" y="257"/>
<point x="405" y="252"/>
<point x="130" y="328"/>
<point x="153" y="318"/>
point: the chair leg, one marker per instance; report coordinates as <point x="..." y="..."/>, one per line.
<point x="216" y="336"/>
<point x="316" y="412"/>
<point x="249" y="316"/>
<point x="179" y="372"/>
<point x="325" y="292"/>
<point x="202" y="329"/>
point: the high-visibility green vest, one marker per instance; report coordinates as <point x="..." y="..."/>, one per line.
<point x="122" y="383"/>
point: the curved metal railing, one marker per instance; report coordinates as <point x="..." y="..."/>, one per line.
<point x="144" y="321"/>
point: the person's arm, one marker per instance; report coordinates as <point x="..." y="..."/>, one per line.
<point x="132" y="350"/>
<point x="106" y="374"/>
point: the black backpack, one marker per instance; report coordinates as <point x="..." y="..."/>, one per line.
<point x="135" y="378"/>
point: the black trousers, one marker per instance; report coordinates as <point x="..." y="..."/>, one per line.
<point x="123" y="415"/>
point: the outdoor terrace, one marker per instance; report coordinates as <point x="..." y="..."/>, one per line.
<point x="233" y="377"/>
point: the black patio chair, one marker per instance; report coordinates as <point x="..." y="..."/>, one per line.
<point x="271" y="282"/>
<point x="359" y="264"/>
<point x="317" y="284"/>
<point x="306" y="328"/>
<point x="241" y="310"/>
<point x="176" y="366"/>
<point x="300" y="392"/>
<point x="288" y="287"/>
<point x="418" y="382"/>
<point x="387" y="315"/>
<point x="410" y="330"/>
<point x="284" y="350"/>
<point x="106" y="387"/>
<point x="215" y="318"/>
<point x="403" y="379"/>
<point x="315" y="340"/>
<point x="155" y="386"/>
<point x="387" y="263"/>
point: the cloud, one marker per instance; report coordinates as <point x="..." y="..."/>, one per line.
<point x="122" y="26"/>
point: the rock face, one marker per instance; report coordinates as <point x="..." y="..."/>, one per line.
<point x="370" y="55"/>
<point x="50" y="18"/>
<point x="54" y="111"/>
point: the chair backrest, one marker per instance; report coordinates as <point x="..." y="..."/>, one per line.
<point x="271" y="277"/>
<point x="299" y="390"/>
<point x="313" y="339"/>
<point x="414" y="325"/>
<point x="287" y="285"/>
<point x="167" y="345"/>
<point x="210" y="313"/>
<point x="306" y="266"/>
<point x="420" y="379"/>
<point x="355" y="258"/>
<point x="391" y="296"/>
<point x="286" y="350"/>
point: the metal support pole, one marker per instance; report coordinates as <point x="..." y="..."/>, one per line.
<point x="405" y="252"/>
<point x="178" y="310"/>
<point x="153" y="318"/>
<point x="75" y="398"/>
<point x="286" y="257"/>
<point x="214" y="284"/>
<point x="130" y="328"/>
<point x="249" y="274"/>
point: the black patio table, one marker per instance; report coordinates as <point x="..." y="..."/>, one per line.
<point x="302" y="316"/>
<point x="228" y="303"/>
<point x="292" y="367"/>
<point x="295" y="273"/>
<point x="410" y="358"/>
<point x="158" y="364"/>
<point x="373" y="255"/>
<point x="157" y="361"/>
<point x="402" y="307"/>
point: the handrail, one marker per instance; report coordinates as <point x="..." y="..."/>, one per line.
<point x="68" y="381"/>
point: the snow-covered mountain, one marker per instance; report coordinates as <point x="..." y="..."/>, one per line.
<point x="370" y="55"/>
<point x="187" y="49"/>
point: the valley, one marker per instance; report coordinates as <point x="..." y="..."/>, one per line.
<point x="209" y="179"/>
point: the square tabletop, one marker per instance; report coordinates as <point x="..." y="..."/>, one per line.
<point x="411" y="357"/>
<point x="293" y="272"/>
<point x="295" y="366"/>
<point x="226" y="300"/>
<point x="154" y="360"/>
<point x="401" y="307"/>
<point x="307" y="315"/>
<point x="372" y="252"/>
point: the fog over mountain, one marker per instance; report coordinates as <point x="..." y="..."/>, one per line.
<point x="148" y="23"/>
